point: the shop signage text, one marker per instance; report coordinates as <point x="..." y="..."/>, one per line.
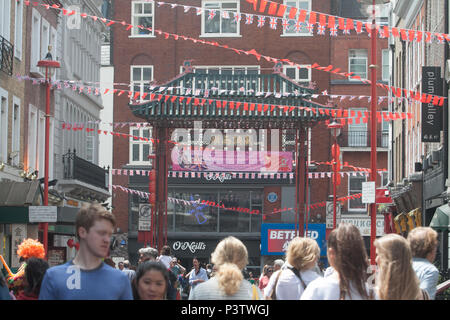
<point x="193" y="246"/>
<point x="42" y="213"/>
<point x="275" y="237"/>
<point x="363" y="225"/>
<point x="431" y="114"/>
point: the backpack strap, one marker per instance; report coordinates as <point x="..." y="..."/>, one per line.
<point x="273" y="295"/>
<point x="297" y="273"/>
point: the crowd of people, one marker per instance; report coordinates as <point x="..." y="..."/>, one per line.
<point x="405" y="270"/>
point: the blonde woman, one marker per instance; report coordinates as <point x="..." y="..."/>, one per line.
<point x="396" y="278"/>
<point x="290" y="282"/>
<point x="230" y="257"/>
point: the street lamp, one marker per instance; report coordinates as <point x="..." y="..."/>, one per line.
<point x="49" y="66"/>
<point x="373" y="125"/>
<point x="335" y="128"/>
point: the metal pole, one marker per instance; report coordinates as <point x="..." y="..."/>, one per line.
<point x="373" y="138"/>
<point x="47" y="156"/>
<point x="334" y="180"/>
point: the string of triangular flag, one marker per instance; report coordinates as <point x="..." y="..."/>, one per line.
<point x="167" y="35"/>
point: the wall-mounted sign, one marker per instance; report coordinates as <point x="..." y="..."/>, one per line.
<point x="363" y="225"/>
<point x="42" y="214"/>
<point x="19" y="233"/>
<point x="145" y="217"/>
<point x="330" y="214"/>
<point x="193" y="246"/>
<point x="431" y="114"/>
<point x="368" y="192"/>
<point x="272" y="197"/>
<point x="275" y="237"/>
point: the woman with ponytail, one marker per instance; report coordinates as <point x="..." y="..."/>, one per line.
<point x="230" y="257"/>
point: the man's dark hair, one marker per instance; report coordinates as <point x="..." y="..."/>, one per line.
<point x="34" y="274"/>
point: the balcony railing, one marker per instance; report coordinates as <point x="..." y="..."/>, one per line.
<point x="85" y="171"/>
<point x="6" y="56"/>
<point x="361" y="139"/>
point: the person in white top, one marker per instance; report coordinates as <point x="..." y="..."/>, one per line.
<point x="396" y="279"/>
<point x="289" y="283"/>
<point x="347" y="255"/>
<point x="165" y="257"/>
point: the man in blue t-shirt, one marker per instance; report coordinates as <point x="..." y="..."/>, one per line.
<point x="86" y="277"/>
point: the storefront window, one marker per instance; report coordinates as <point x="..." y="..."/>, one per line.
<point x="195" y="218"/>
<point x="211" y="218"/>
<point x="233" y="220"/>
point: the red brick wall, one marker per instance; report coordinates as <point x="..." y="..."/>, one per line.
<point x="168" y="55"/>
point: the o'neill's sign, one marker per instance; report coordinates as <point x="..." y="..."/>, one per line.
<point x="431" y="114"/>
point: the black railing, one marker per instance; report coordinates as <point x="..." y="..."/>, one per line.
<point x="85" y="171"/>
<point x="6" y="56"/>
<point x="360" y="139"/>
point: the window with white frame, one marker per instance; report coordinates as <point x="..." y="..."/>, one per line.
<point x="5" y="19"/>
<point x="35" y="40"/>
<point x="357" y="62"/>
<point x="219" y="18"/>
<point x="90" y="147"/>
<point x="384" y="134"/>
<point x="15" y="138"/>
<point x="3" y="125"/>
<point x="18" y="29"/>
<point x="32" y="138"/>
<point x="357" y="132"/>
<point x="45" y="38"/>
<point x="294" y="27"/>
<point x="355" y="187"/>
<point x="300" y="74"/>
<point x="142" y="14"/>
<point x="141" y="76"/>
<point x="385" y="67"/>
<point x="140" y="149"/>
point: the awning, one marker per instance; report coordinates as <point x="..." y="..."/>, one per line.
<point x="441" y="217"/>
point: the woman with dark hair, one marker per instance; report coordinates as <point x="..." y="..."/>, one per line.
<point x="34" y="273"/>
<point x="347" y="255"/>
<point x="151" y="281"/>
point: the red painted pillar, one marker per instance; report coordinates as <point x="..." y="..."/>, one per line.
<point x="301" y="170"/>
<point x="373" y="138"/>
<point x="47" y="156"/>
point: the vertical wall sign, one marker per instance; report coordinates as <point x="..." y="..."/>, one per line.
<point x="431" y="114"/>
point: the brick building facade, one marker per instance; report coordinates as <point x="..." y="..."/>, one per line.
<point x="137" y="52"/>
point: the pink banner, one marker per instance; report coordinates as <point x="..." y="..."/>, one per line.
<point x="225" y="161"/>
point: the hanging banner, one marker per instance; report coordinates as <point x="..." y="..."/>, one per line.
<point x="431" y="114"/>
<point x="225" y="161"/>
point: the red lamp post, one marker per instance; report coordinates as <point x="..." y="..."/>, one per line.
<point x="335" y="128"/>
<point x="373" y="126"/>
<point x="49" y="66"/>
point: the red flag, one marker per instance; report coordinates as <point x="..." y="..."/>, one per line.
<point x="273" y="8"/>
<point x="281" y="10"/>
<point x="395" y="32"/>
<point x="245" y="106"/>
<point x="255" y="3"/>
<point x="386" y="31"/>
<point x="302" y="16"/>
<point x="403" y="33"/>
<point x="350" y="24"/>
<point x="292" y="13"/>
<point x="341" y="23"/>
<point x="322" y="19"/>
<point x="263" y="5"/>
<point x="412" y="35"/>
<point x="312" y="17"/>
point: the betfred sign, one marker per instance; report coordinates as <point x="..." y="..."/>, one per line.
<point x="275" y="237"/>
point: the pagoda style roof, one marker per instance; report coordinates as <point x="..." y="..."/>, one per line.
<point x="230" y="101"/>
